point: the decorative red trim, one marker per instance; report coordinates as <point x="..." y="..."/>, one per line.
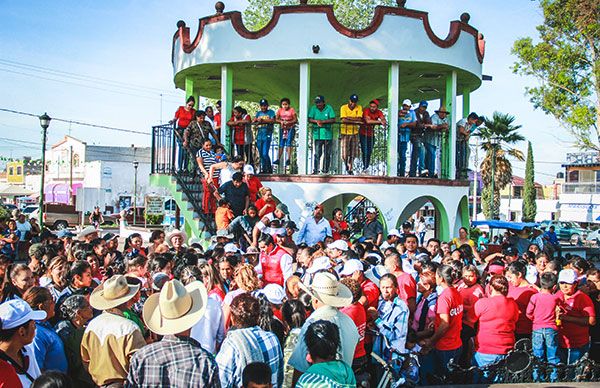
<point x="361" y="179"/>
<point x="183" y="32"/>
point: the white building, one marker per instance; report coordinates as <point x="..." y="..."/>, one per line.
<point x="98" y="175"/>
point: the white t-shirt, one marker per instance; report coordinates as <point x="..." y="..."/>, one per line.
<point x="33" y="370"/>
<point x="210" y="329"/>
<point x="23" y="227"/>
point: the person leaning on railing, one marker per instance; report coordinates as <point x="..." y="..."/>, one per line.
<point x="351" y="115"/>
<point x="264" y="120"/>
<point x="433" y="139"/>
<point x="406" y="120"/>
<point x="372" y="116"/>
<point x="322" y="116"/>
<point x="287" y="119"/>
<point x="182" y="119"/>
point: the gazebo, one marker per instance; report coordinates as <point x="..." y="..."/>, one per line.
<point x="311" y="53"/>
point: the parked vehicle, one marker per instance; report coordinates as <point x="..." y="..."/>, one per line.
<point x="59" y="215"/>
<point x="23" y="202"/>
<point x="567" y="230"/>
<point x="29" y="209"/>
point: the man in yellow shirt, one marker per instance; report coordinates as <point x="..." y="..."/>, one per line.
<point x="352" y="116"/>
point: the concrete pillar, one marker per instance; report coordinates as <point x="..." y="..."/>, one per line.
<point x="226" y="104"/>
<point x="451" y="107"/>
<point x="393" y="97"/>
<point x="466" y="103"/>
<point x="189" y="90"/>
<point x="303" y="107"/>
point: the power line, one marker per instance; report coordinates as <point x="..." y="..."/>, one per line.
<point x="76" y="122"/>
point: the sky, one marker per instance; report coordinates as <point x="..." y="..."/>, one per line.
<point x="109" y="63"/>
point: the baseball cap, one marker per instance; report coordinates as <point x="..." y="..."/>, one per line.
<point x="338" y="244"/>
<point x="510" y="251"/>
<point x="263" y="102"/>
<point x="231" y="248"/>
<point x="353" y="98"/>
<point x="351" y="266"/>
<point x="274" y="293"/>
<point x="248" y="169"/>
<point x="318" y="264"/>
<point x="64" y="233"/>
<point x="319" y="99"/>
<point x="407" y="102"/>
<point x="290" y="225"/>
<point x="423" y="103"/>
<point x="282" y="207"/>
<point x="158" y="280"/>
<point x="394" y="232"/>
<point x="109" y="236"/>
<point x="567" y="276"/>
<point x="371" y="210"/>
<point x="14" y="313"/>
<point x="406" y="225"/>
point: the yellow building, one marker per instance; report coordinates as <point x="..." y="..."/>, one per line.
<point x="15" y="172"/>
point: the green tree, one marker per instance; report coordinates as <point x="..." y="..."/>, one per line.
<point x="566" y="61"/>
<point x="500" y="128"/>
<point x="356" y="14"/>
<point x="529" y="190"/>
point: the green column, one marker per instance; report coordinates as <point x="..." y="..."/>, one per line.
<point x="449" y="146"/>
<point x="189" y="88"/>
<point x="226" y="104"/>
<point x="466" y="102"/>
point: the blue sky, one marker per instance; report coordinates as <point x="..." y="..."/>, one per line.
<point x="117" y="56"/>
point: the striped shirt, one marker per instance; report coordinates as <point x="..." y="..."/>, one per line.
<point x="393" y="324"/>
<point x="243" y="346"/>
<point x="208" y="159"/>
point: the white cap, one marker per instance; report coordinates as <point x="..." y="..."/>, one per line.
<point x="14" y="313"/>
<point x="274" y="293"/>
<point x="248" y="169"/>
<point x="351" y="266"/>
<point x="375" y="273"/>
<point x="394" y="232"/>
<point x="318" y="264"/>
<point x="338" y="244"/>
<point x="231" y="248"/>
<point x="407" y="102"/>
<point x="567" y="276"/>
<point x="371" y="210"/>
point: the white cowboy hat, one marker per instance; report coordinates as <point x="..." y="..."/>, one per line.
<point x="176" y="308"/>
<point x="328" y="290"/>
<point x="113" y="292"/>
<point x="87" y="231"/>
<point x="176" y="232"/>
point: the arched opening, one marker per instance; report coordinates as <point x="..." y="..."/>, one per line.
<point x="434" y="215"/>
<point x="354" y="207"/>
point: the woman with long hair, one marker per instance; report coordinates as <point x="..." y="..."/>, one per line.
<point x="212" y="281"/>
<point x="157" y="238"/>
<point x="17" y="280"/>
<point x="246" y="280"/>
<point x="337" y="223"/>
<point x="79" y="281"/>
<point x="57" y="273"/>
<point x="471" y="291"/>
<point x="183" y="116"/>
<point x="134" y="245"/>
<point x="49" y="349"/>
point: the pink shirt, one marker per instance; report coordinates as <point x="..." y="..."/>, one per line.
<point x="286" y="115"/>
<point x="521" y="295"/>
<point x="541" y="310"/>
<point x="572" y="335"/>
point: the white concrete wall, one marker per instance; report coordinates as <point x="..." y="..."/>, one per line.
<point x="60" y="161"/>
<point x="398" y="38"/>
<point x="579" y="207"/>
<point x="545" y="209"/>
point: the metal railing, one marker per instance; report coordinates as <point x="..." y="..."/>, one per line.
<point x="581" y="188"/>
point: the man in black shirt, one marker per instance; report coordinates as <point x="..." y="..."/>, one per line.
<point x="237" y="193"/>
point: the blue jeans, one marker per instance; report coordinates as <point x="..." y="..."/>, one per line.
<point x="417" y="157"/>
<point x="366" y="149"/>
<point x="182" y="155"/>
<point x="481" y="360"/>
<point x="545" y="347"/>
<point x="402" y="148"/>
<point x="430" y="156"/>
<point x="436" y="364"/>
<point x="263" y="143"/>
<point x="572" y="355"/>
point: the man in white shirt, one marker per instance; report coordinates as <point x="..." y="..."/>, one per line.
<point x="315" y="228"/>
<point x="23" y="225"/>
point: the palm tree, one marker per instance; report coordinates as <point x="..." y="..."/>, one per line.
<point x="502" y="129"/>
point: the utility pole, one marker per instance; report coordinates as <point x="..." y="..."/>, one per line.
<point x="71" y="175"/>
<point x="44" y="123"/>
<point x="476" y="180"/>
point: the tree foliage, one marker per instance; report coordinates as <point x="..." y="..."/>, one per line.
<point x="529" y="208"/>
<point x="355" y="14"/>
<point x="501" y="127"/>
<point x="566" y="62"/>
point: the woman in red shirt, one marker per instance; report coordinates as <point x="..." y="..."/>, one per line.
<point x="471" y="292"/>
<point x="241" y="133"/>
<point x="356" y="311"/>
<point x="183" y="116"/>
<point x="253" y="183"/>
<point x="497" y="316"/>
<point x="445" y="342"/>
<point x="521" y="291"/>
<point x="337" y="223"/>
<point x="265" y="204"/>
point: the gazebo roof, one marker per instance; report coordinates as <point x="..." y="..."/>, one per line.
<point x="265" y="62"/>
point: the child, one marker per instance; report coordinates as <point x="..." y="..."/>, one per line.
<point x="542" y="312"/>
<point x="471" y="292"/>
<point x="287" y="119"/>
<point x="220" y="154"/>
<point x="223" y="214"/>
<point x="241" y="132"/>
<point x="256" y="375"/>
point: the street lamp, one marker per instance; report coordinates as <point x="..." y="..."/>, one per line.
<point x="135" y="166"/>
<point x="44" y="123"/>
<point x="494" y="141"/>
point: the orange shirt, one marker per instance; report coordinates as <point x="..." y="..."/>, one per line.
<point x="223" y="217"/>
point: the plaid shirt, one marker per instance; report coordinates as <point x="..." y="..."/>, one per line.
<point x="173" y="362"/>
<point x="230" y="360"/>
<point x="393" y="324"/>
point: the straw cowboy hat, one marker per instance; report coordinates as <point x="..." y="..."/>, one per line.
<point x="442" y="109"/>
<point x="87" y="231"/>
<point x="112" y="293"/>
<point x="176" y="308"/>
<point x="176" y="232"/>
<point x="328" y="290"/>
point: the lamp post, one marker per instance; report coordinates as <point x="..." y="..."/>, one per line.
<point x="135" y="166"/>
<point x="494" y="140"/>
<point x="44" y="123"/>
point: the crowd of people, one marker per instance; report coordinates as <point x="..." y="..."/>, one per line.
<point x="420" y="136"/>
<point x="268" y="304"/>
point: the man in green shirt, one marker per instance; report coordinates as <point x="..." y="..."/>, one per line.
<point x="322" y="116"/>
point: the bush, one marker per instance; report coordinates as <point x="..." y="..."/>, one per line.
<point x="154" y="219"/>
<point x="474" y="234"/>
